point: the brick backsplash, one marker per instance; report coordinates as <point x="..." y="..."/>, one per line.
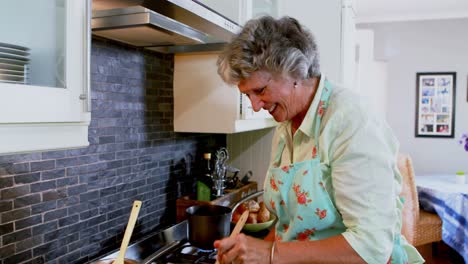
<point x="71" y="206"/>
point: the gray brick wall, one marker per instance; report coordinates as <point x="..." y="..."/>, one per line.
<point x="71" y="206"/>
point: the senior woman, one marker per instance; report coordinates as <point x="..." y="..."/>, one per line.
<point x="333" y="180"/>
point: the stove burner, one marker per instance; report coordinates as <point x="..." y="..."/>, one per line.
<point x="191" y="250"/>
<point x="187" y="253"/>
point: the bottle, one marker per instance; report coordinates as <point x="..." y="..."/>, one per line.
<point x="205" y="181"/>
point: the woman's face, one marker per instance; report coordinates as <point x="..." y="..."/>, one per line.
<point x="275" y="94"/>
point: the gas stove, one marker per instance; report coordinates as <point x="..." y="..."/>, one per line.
<point x="171" y="246"/>
<point x="167" y="246"/>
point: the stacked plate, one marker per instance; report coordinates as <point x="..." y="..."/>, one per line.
<point x="14" y="61"/>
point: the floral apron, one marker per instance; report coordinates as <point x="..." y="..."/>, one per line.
<point x="296" y="193"/>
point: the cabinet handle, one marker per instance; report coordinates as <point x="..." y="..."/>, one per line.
<point x="87" y="60"/>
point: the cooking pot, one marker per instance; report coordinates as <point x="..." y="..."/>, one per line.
<point x="207" y="223"/>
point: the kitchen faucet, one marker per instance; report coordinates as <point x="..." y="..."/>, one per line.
<point x="220" y="169"/>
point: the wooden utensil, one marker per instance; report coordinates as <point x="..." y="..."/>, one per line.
<point x="128" y="232"/>
<point x="240" y="224"/>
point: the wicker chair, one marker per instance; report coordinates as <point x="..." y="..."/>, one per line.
<point x="419" y="227"/>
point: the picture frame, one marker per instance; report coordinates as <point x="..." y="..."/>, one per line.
<point x="435" y="104"/>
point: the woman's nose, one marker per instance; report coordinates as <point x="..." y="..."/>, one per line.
<point x="257" y="103"/>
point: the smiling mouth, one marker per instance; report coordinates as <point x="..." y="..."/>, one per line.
<point x="272" y="108"/>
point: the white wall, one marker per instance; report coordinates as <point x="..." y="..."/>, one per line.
<point x="371" y="75"/>
<point x="251" y="151"/>
<point x="424" y="46"/>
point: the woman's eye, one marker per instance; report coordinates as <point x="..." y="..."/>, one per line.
<point x="261" y="90"/>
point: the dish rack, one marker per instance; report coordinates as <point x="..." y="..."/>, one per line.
<point x="14" y="64"/>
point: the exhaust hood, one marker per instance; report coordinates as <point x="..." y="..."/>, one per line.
<point x="167" y="26"/>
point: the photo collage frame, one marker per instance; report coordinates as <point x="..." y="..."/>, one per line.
<point x="435" y="105"/>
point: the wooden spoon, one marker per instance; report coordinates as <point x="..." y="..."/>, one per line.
<point x="128" y="232"/>
<point x="240" y="224"/>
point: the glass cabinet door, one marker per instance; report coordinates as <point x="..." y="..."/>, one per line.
<point x="42" y="57"/>
<point x="33" y="36"/>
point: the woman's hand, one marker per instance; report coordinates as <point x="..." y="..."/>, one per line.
<point x="243" y="249"/>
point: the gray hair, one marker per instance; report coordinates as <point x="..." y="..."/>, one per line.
<point x="280" y="46"/>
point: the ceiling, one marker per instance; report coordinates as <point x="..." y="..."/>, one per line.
<point x="369" y="11"/>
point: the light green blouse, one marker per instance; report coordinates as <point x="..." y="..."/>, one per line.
<point x="358" y="158"/>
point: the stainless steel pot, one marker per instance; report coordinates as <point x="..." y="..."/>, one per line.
<point x="207" y="223"/>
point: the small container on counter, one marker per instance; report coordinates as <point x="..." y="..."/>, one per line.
<point x="460" y="177"/>
<point x="205" y="181"/>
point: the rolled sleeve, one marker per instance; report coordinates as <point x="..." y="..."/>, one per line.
<point x="361" y="157"/>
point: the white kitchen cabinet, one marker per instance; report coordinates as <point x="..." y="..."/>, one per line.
<point x="231" y="9"/>
<point x="203" y="103"/>
<point x="332" y="24"/>
<point x="240" y="11"/>
<point x="50" y="108"/>
<point x="264" y="7"/>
